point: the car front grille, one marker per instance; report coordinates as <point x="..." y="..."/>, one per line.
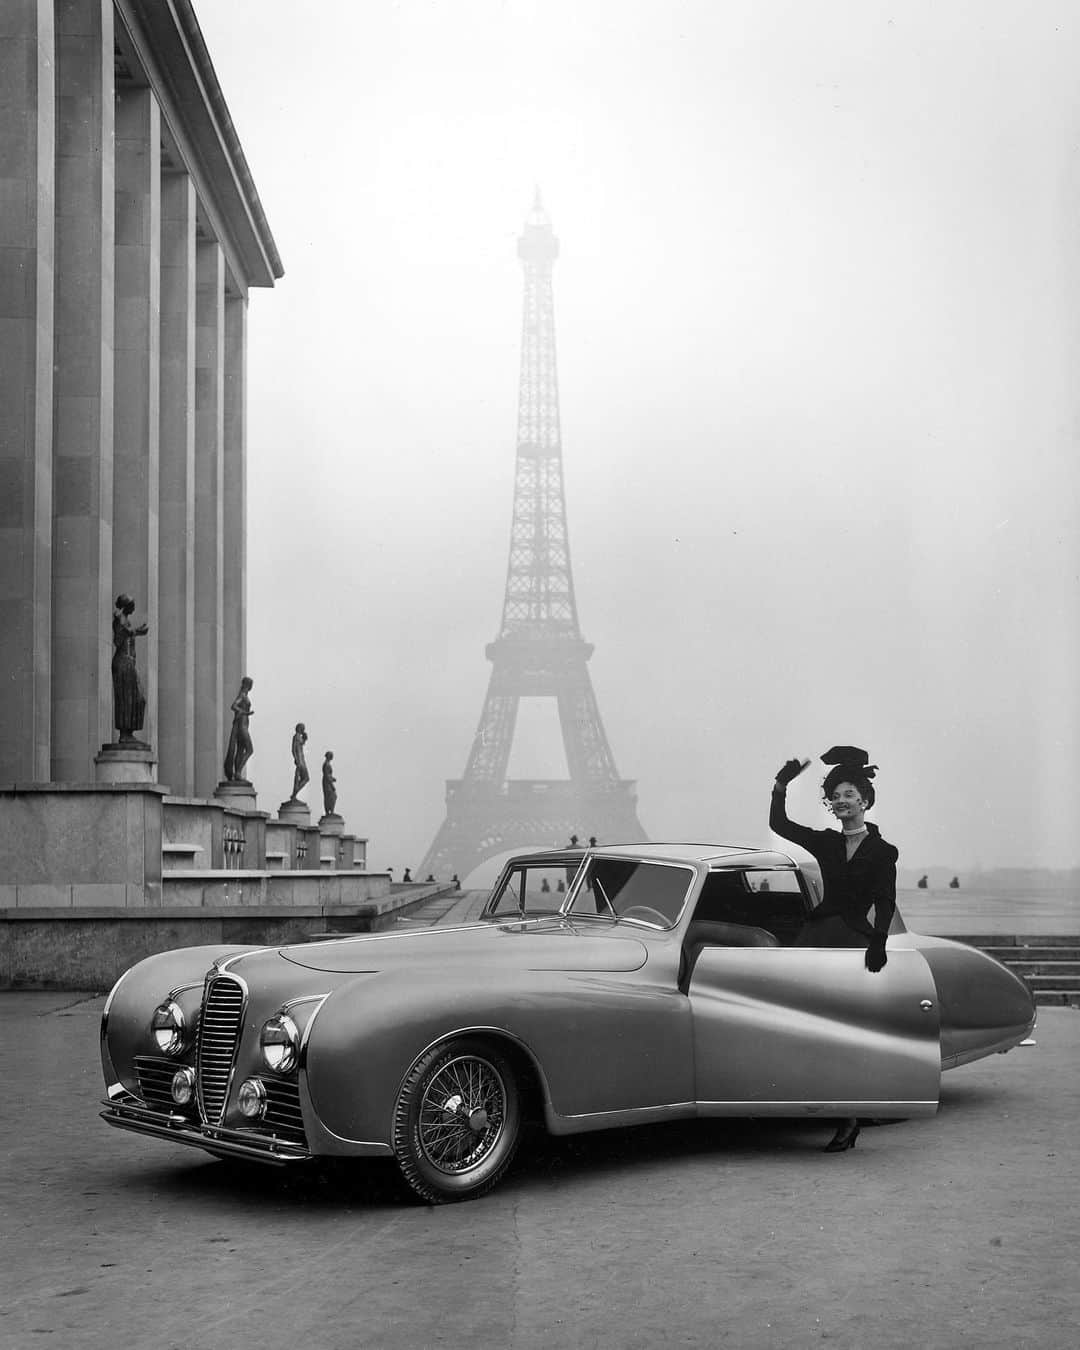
<point x="219" y="1036"/>
<point x="155" y="1077"/>
<point x="283" y="1117"/>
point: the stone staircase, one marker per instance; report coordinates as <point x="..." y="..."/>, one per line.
<point x="1049" y="965"/>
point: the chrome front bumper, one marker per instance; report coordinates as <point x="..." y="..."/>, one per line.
<point x="128" y="1113"/>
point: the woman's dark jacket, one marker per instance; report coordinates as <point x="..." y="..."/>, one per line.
<point x="851" y="887"/>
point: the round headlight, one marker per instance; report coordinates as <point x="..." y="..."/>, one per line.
<point x="279" y="1042"/>
<point x="183" y="1086"/>
<point x="167" y="1027"/>
<point x="251" y="1099"/>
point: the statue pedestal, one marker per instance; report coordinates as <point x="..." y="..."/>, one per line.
<point x="294" y="812"/>
<point x="125" y="762"/>
<point x="238" y="794"/>
<point x="332" y="824"/>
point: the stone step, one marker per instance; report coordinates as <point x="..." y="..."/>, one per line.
<point x="1051" y="997"/>
<point x="1065" y="981"/>
<point x="1029" y="968"/>
<point x="992" y="941"/>
<point x="1011" y="955"/>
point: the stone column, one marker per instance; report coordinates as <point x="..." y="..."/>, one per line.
<point x="176" y="577"/>
<point x="209" y="504"/>
<point x="235" y="489"/>
<point x="137" y="346"/>
<point x="27" y="186"/>
<point x="83" y="389"/>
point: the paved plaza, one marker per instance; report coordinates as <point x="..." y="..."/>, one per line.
<point x="958" y="1230"/>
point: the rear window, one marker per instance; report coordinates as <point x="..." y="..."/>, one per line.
<point x="642" y="892"/>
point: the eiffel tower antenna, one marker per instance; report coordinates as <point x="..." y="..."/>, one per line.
<point x="539" y="651"/>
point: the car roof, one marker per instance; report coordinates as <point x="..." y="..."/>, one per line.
<point x="708" y="855"/>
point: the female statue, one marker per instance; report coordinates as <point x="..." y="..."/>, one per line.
<point x="129" y="700"/>
<point x="240" y="748"/>
<point x="329" y="784"/>
<point x="300" y="770"/>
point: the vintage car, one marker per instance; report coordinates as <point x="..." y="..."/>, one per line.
<point x="602" y="987"/>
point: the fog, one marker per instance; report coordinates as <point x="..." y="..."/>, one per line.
<point x="816" y="313"/>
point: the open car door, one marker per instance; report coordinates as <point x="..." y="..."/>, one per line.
<point x="790" y="1031"/>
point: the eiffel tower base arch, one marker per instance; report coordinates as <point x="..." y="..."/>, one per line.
<point x="483" y="821"/>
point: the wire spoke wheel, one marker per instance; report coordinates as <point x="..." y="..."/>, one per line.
<point x="457" y="1121"/>
<point x="461" y="1114"/>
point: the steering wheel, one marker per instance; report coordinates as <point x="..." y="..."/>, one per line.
<point x="646" y="913"/>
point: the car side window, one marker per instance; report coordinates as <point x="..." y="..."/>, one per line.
<point x="642" y="892"/>
<point x="768" y="899"/>
<point x="531" y="891"/>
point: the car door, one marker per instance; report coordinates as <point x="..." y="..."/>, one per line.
<point x="802" y="1030"/>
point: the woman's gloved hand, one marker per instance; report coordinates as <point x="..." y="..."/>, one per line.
<point x="792" y="768"/>
<point x="875" y="953"/>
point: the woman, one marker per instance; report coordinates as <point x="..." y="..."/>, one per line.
<point x="858" y="869"/>
<point x="240" y="748"/>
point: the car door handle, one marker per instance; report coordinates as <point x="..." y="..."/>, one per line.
<point x="926" y="1004"/>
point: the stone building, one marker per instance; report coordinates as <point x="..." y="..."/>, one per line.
<point x="130" y="234"/>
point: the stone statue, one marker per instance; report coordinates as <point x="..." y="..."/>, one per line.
<point x="129" y="701"/>
<point x="240" y="749"/>
<point x="301" y="777"/>
<point x="329" y="784"/>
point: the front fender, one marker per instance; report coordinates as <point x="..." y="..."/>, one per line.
<point x="600" y="1042"/>
<point x="125" y="1021"/>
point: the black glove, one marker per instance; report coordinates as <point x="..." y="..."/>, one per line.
<point x="791" y="770"/>
<point x="875" y="953"/>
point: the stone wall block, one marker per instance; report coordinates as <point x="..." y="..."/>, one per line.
<point x="42" y="895"/>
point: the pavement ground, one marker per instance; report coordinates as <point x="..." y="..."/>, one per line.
<point x="960" y="1230"/>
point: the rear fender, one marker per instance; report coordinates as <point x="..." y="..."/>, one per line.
<point x="984" y="1007"/>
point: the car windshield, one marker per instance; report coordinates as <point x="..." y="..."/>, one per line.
<point x="529" y="890"/>
<point x="643" y="892"/>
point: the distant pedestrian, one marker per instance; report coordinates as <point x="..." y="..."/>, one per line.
<point x="407" y="876"/>
<point x="954" y="885"/>
<point x="922" y="883"/>
<point x="592" y="840"/>
<point x="455" y="881"/>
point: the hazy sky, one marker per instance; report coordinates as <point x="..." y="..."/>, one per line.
<point x="817" y="321"/>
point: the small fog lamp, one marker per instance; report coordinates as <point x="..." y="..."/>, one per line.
<point x="251" y="1099"/>
<point x="183" y="1086"/>
<point x="279" y="1042"/>
<point x="167" y="1028"/>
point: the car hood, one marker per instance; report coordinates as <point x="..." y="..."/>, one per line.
<point x="527" y="946"/>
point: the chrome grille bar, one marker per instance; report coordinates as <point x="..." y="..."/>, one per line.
<point x="284" y="1118"/>
<point x="219" y="1037"/>
<point x="155" y="1077"/>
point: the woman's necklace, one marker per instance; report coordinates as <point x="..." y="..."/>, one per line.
<point x="853" y="840"/>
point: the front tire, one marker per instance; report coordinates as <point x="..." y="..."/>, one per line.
<point x="457" y="1121"/>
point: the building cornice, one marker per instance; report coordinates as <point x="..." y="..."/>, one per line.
<point x="175" y="60"/>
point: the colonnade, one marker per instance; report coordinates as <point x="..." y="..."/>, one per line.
<point x="127" y="249"/>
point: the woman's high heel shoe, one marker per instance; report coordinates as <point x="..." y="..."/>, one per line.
<point x="843" y="1139"/>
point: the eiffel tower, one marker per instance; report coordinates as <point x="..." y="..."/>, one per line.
<point x="539" y="651"/>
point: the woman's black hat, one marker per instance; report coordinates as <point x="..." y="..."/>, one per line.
<point x="850" y="757"/>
